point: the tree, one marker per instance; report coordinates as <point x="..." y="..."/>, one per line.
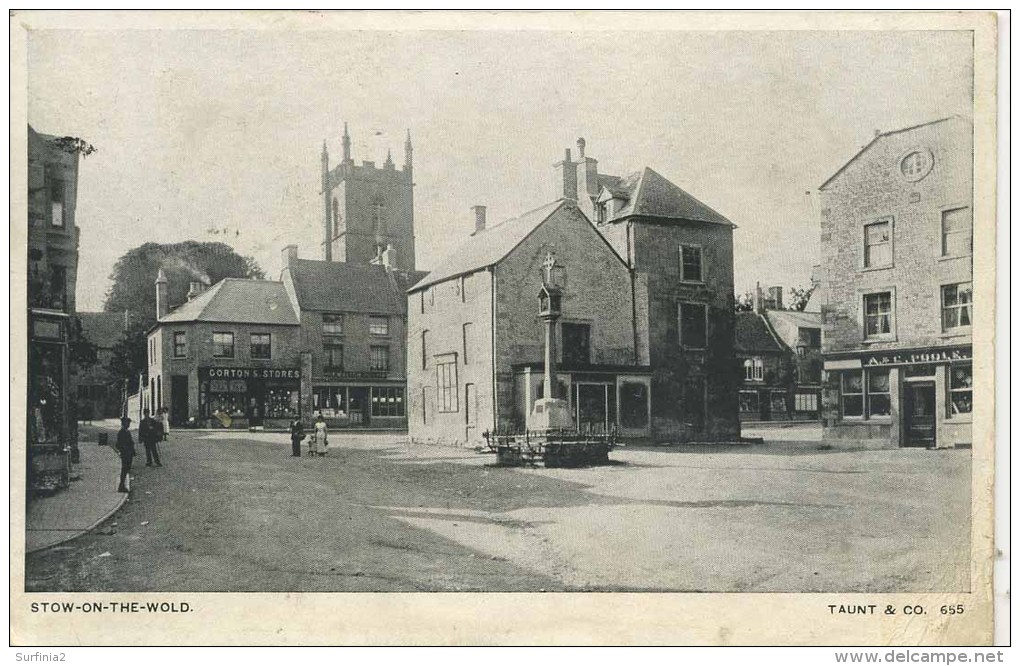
<point x="84" y="354"/>
<point x="134" y="277"/>
<point x="744" y="302"/>
<point x="799" y="298"/>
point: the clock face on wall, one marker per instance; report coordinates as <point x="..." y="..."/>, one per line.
<point x="916" y="164"/>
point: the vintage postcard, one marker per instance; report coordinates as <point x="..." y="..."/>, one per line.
<point x="358" y="328"/>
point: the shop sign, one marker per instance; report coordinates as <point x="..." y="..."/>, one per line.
<point x="248" y="373"/>
<point x="917" y="357"/>
<point x="354" y="374"/>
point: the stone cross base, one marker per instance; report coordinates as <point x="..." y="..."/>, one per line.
<point x="550" y="414"/>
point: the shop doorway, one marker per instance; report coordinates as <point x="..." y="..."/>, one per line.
<point x="360" y="403"/>
<point x="919" y="414"/>
<point x="179" y="399"/>
<point x="596" y="407"/>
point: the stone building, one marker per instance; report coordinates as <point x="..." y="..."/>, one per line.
<point x="780" y="353"/>
<point x="367" y="209"/>
<point x="680" y="252"/>
<point x="100" y="393"/>
<point x="53" y="235"/>
<point x="896" y="236"/>
<point x="353" y="334"/>
<point x="228" y="357"/>
<point x="476" y="343"/>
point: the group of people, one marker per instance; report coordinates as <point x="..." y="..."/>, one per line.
<point x="150" y="432"/>
<point x="318" y="445"/>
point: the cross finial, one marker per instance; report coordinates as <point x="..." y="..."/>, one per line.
<point x="548" y="265"/>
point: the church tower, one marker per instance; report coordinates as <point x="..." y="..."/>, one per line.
<point x="368" y="209"/>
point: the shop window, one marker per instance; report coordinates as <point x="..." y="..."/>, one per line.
<point x="749" y="402"/>
<point x="378" y="325"/>
<point x="805" y="402"/>
<point x="261" y="346"/>
<point x="878" y="244"/>
<point x="466" y="335"/>
<point x="379" y="357"/>
<point x="633" y="405"/>
<point x="691" y="263"/>
<point x="875" y="394"/>
<point x="879" y="403"/>
<point x="330" y="401"/>
<point x="777" y="402"/>
<point x="281" y="402"/>
<point x="223" y="345"/>
<point x="852" y="394"/>
<point x="957" y="232"/>
<point x="334" y="356"/>
<point x="957" y="300"/>
<point x="180" y="344"/>
<point x="387" y="401"/>
<point x="693" y="325"/>
<point x="576" y="344"/>
<point x="878" y="315"/>
<point x="960" y="390"/>
<point x="332" y="323"/>
<point x="446" y="384"/>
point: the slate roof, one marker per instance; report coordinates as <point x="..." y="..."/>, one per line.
<point x="234" y="300"/>
<point x="489" y="247"/>
<point x="335" y="286"/>
<point x="752" y="335"/>
<point x="102" y="329"/>
<point x="649" y="193"/>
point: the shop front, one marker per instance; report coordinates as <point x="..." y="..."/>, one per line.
<point x="249" y="397"/>
<point x="52" y="430"/>
<point x="908" y="398"/>
<point x="359" y="400"/>
<point x="602" y="399"/>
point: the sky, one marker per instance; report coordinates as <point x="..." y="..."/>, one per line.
<point x="222" y="130"/>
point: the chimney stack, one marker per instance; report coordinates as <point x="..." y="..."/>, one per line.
<point x="162" y="297"/>
<point x="479" y="218"/>
<point x="196" y="289"/>
<point x="776" y="298"/>
<point x="566" y="178"/>
<point x="290" y="254"/>
<point x="758" y="301"/>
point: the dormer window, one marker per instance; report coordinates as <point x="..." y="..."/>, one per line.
<point x="602" y="212"/>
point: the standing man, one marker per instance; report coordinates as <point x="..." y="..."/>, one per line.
<point x="149" y="431"/>
<point x="125" y="446"/>
<point x="297" y="433"/>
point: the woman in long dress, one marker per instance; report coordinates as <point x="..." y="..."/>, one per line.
<point x="320" y="441"/>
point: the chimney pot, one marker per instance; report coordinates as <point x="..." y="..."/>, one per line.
<point x="479" y="218"/>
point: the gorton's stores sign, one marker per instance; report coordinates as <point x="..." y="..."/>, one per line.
<point x="917" y="357"/>
<point x="248" y="373"/>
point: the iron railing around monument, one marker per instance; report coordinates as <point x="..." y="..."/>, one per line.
<point x="584" y="446"/>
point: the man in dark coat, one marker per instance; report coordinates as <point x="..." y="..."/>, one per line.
<point x="150" y="432"/>
<point x="125" y="446"/>
<point x="297" y="433"/>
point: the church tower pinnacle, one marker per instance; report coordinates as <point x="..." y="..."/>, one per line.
<point x="347" y="145"/>
<point x="408" y="152"/>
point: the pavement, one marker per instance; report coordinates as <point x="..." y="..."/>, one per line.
<point x="53" y="519"/>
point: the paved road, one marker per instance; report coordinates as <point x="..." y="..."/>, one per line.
<point x="242" y="515"/>
<point x="234" y="512"/>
